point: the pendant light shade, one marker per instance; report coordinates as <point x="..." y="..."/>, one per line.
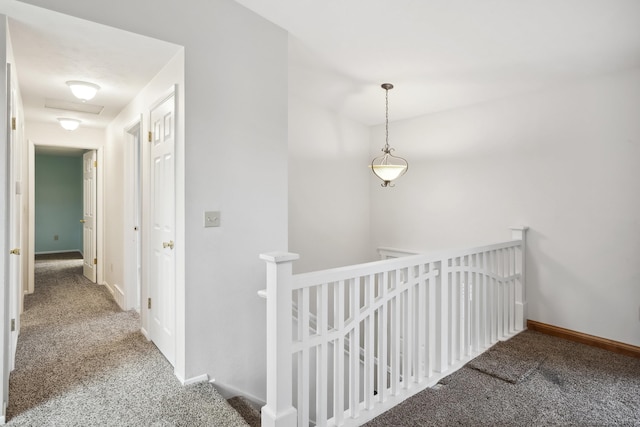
<point x="388" y="167"/>
<point x="83" y="90"/>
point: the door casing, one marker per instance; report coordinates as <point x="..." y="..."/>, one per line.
<point x="30" y="254"/>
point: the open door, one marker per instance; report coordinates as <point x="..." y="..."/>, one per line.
<point x="89" y="207"/>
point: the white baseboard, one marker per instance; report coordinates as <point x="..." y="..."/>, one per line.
<point x="228" y="392"/>
<point x="193" y="380"/>
<point x="66" y="251"/>
<point x="118" y="295"/>
<point x="109" y="288"/>
<point x="144" y="332"/>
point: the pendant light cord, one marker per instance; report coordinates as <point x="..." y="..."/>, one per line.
<point x="386" y="119"/>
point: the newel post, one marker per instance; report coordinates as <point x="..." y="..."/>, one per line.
<point x="279" y="410"/>
<point x="520" y="233"/>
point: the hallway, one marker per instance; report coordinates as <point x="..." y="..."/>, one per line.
<point x="82" y="361"/>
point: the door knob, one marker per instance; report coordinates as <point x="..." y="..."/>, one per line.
<point x="168" y="244"/>
<point x="82" y="221"/>
<point x="15" y="251"/>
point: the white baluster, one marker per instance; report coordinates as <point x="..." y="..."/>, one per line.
<point x="369" y="343"/>
<point x="444" y="329"/>
<point x="339" y="355"/>
<point x="432" y="331"/>
<point x="322" y="359"/>
<point x="304" y="368"/>
<point x="354" y="350"/>
<point x="395" y="306"/>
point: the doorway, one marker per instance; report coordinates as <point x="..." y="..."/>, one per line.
<point x="73" y="235"/>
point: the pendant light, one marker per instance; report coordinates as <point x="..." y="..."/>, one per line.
<point x="388" y="167"/>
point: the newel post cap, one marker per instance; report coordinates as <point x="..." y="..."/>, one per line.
<point x="279" y="257"/>
<point x="518" y="231"/>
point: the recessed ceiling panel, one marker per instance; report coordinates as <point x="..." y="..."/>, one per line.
<point x="80" y="107"/>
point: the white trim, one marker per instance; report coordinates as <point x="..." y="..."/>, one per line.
<point x="110" y="288"/>
<point x="386" y="253"/>
<point x="227" y="392"/>
<point x="117" y="294"/>
<point x="132" y="295"/>
<point x="66" y="251"/>
<point x="194" y="380"/>
<point x="144" y="332"/>
<point x="180" y="233"/>
<point x="31" y="213"/>
<point x="100" y="250"/>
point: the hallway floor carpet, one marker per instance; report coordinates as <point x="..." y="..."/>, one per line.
<point x="81" y="361"/>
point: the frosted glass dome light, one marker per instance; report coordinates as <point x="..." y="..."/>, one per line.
<point x="69" y="124"/>
<point x="83" y="90"/>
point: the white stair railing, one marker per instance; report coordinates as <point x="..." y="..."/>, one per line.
<point x="416" y="318"/>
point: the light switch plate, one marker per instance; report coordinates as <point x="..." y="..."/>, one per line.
<point x="212" y="219"/>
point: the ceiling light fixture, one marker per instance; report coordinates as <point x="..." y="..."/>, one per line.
<point x="388" y="167"/>
<point x="69" y="124"/>
<point x="83" y="90"/>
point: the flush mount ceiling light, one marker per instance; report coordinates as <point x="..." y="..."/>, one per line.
<point x="388" y="167"/>
<point x="83" y="90"/>
<point x="69" y="124"/>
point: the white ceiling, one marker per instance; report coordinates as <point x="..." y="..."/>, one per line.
<point x="51" y="48"/>
<point x="443" y="54"/>
<point x="439" y="54"/>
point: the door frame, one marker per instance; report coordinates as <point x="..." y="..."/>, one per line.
<point x="30" y="253"/>
<point x="15" y="197"/>
<point x="177" y="90"/>
<point x="89" y="213"/>
<point x="133" y="206"/>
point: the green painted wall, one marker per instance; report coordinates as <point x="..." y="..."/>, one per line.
<point x="58" y="197"/>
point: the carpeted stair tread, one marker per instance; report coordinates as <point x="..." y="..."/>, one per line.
<point x="511" y="361"/>
<point x="246" y="409"/>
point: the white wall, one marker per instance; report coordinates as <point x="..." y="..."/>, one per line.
<point x="236" y="162"/>
<point x="52" y="134"/>
<point x="118" y="186"/>
<point x="4" y="219"/>
<point x="565" y="163"/>
<point x="328" y="178"/>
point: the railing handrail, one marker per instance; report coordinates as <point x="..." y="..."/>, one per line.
<point x="312" y="278"/>
<point x="456" y="282"/>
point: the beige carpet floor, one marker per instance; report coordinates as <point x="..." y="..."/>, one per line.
<point x="81" y="361"/>
<point x="530" y="380"/>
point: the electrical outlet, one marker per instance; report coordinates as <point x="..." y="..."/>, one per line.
<point x="55" y="237"/>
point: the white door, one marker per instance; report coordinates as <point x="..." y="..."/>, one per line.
<point x="162" y="281"/>
<point x="15" y="219"/>
<point x="89" y="207"/>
